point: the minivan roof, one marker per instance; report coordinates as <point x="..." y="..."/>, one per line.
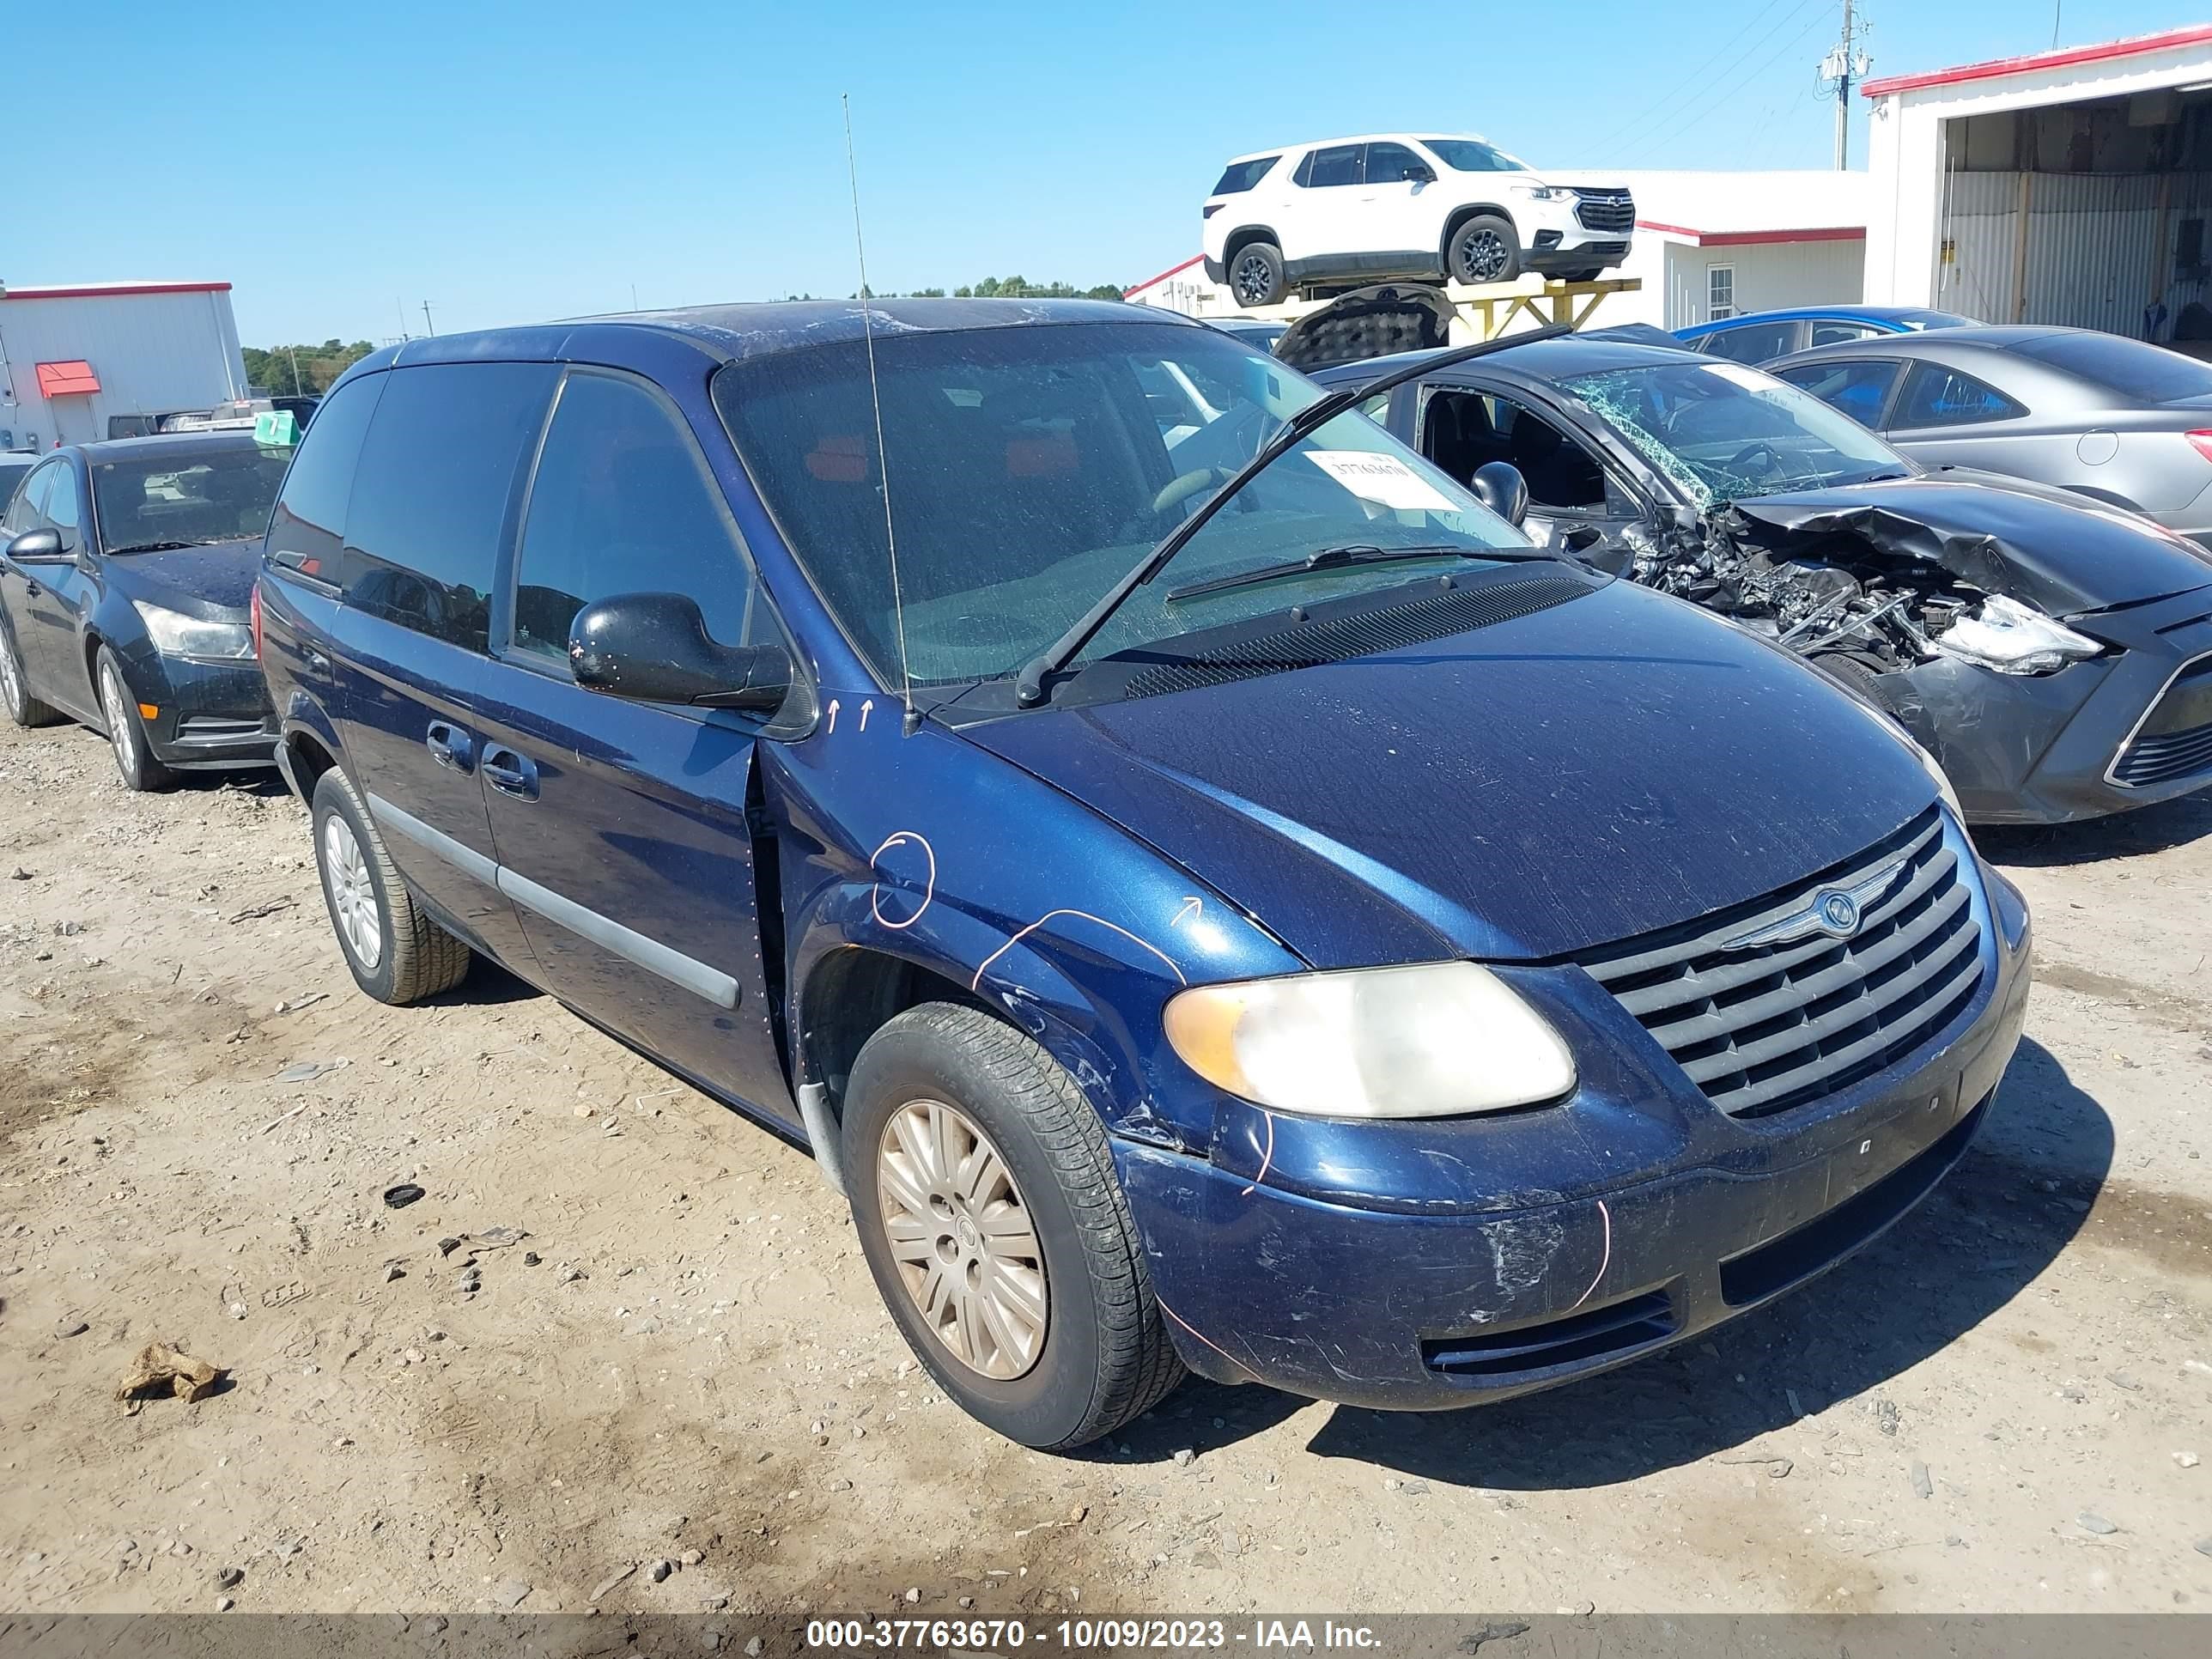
<point x="731" y="334"/>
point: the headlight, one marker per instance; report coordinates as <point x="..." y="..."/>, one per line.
<point x="176" y="635"/>
<point x="1541" y="192"/>
<point x="1433" y="1041"/>
<point x="2013" y="638"/>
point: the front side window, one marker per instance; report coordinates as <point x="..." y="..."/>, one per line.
<point x="219" y="493"/>
<point x="23" y="510"/>
<point x="61" y="509"/>
<point x="623" y="504"/>
<point x="1032" y="466"/>
<point x="1858" y="387"/>
<point x="1240" y="176"/>
<point x="1394" y="164"/>
<point x="430" y="496"/>
<point x="1721" y="432"/>
<point x="308" y="525"/>
<point x="1937" y="396"/>
<point x="1337" y="165"/>
<point x="1472" y="156"/>
<point x="1464" y="431"/>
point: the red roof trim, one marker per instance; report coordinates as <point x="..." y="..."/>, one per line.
<point x="2065" y="58"/>
<point x="74" y="379"/>
<point x="115" y="289"/>
<point x="1163" y="276"/>
<point x="1755" y="238"/>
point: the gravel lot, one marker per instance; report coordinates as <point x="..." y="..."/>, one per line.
<point x="683" y="1362"/>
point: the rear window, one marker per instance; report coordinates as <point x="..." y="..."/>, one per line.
<point x="431" y="496"/>
<point x="1240" y="176"/>
<point x="2140" y="373"/>
<point x="222" y="494"/>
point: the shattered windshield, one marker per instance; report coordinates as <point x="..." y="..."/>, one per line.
<point x="1032" y="466"/>
<point x="1721" y="432"/>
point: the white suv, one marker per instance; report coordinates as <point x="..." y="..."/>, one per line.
<point x="1396" y="205"/>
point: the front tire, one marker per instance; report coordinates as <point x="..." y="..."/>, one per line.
<point x="397" y="954"/>
<point x="990" y="1216"/>
<point x="126" y="733"/>
<point x="16" y="696"/>
<point x="1255" y="275"/>
<point x="1486" y="249"/>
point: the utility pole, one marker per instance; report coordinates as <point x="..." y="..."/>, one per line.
<point x="295" y="357"/>
<point x="428" y="327"/>
<point x="1845" y="63"/>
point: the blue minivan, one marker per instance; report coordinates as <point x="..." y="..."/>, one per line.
<point x="1210" y="893"/>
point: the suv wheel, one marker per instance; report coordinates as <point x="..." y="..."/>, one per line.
<point x="1255" y="274"/>
<point x="126" y="733"/>
<point x="16" y="696"/>
<point x="990" y="1216"/>
<point x="1486" y="249"/>
<point x="396" y="952"/>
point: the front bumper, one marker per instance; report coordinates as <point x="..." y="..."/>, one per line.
<point x="2047" y="748"/>
<point x="211" y="714"/>
<point x="1555" y="1274"/>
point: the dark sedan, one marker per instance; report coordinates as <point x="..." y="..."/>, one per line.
<point x="2114" y="419"/>
<point x="126" y="578"/>
<point x="2055" y="658"/>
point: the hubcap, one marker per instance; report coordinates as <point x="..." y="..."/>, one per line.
<point x="353" y="900"/>
<point x="963" y="1240"/>
<point x="117" y="707"/>
<point x="1252" y="279"/>
<point x="1481" y="258"/>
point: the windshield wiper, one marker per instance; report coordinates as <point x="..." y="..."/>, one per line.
<point x="156" y="547"/>
<point x="1029" y="686"/>
<point x="1329" y="559"/>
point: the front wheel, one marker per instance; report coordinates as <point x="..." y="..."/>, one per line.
<point x="998" y="1235"/>
<point x="1486" y="249"/>
<point x="126" y="733"/>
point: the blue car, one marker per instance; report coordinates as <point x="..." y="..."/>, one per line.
<point x="1211" y="894"/>
<point x="1760" y="337"/>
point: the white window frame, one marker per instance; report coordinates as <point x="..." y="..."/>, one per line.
<point x="1719" y="311"/>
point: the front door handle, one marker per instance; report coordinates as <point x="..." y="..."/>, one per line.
<point x="449" y="746"/>
<point x="510" y="774"/>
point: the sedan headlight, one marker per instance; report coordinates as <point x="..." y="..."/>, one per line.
<point x="2013" y="638"/>
<point x="176" y="635"/>
<point x="1432" y="1041"/>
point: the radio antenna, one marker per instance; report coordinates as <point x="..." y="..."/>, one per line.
<point x="876" y="399"/>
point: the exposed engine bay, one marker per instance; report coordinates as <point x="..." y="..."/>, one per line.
<point x="1832" y="595"/>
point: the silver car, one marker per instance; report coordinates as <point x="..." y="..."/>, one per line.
<point x="2107" y="418"/>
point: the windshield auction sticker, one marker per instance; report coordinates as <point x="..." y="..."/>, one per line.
<point x="1377" y="478"/>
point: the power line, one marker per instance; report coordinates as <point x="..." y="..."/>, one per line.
<point x="1690" y="82"/>
<point x="1722" y="90"/>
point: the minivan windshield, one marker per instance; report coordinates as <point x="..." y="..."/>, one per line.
<point x="219" y="493"/>
<point x="1032" y="465"/>
<point x="1722" y="432"/>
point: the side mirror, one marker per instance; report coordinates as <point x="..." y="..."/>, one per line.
<point x="1419" y="172"/>
<point x="654" y="647"/>
<point x="40" y="547"/>
<point x="1500" y="486"/>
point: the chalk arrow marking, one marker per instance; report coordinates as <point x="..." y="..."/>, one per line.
<point x="1192" y="906"/>
<point x="833" y="716"/>
<point x="864" y="707"/>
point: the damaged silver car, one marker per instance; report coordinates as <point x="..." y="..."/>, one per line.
<point x="2055" y="656"/>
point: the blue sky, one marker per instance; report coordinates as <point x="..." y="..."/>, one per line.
<point x="510" y="163"/>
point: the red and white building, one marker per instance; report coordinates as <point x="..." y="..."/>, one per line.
<point x="2071" y="187"/>
<point x="84" y="362"/>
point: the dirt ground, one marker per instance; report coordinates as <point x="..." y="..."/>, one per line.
<point x="682" y="1359"/>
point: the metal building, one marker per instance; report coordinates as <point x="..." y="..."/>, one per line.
<point x="93" y="361"/>
<point x="2070" y="186"/>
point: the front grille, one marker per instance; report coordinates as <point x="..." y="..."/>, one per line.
<point x="1761" y="1028"/>
<point x="1309" y="645"/>
<point x="1610" y="211"/>
<point x="218" y="728"/>
<point x="2176" y="740"/>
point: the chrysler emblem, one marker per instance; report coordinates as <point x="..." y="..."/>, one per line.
<point x="1839" y="912"/>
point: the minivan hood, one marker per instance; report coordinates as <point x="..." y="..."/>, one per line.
<point x="1582" y="774"/>
<point x="2064" y="556"/>
<point x="214" y="583"/>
